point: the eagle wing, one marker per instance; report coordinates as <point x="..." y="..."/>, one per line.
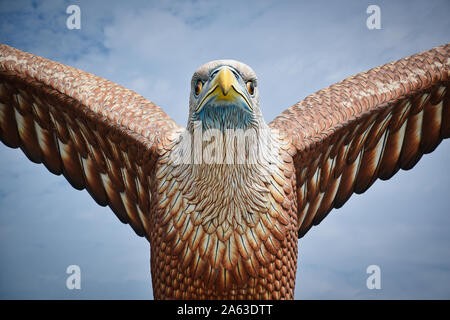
<point x="99" y="135"/>
<point x="368" y="126"/>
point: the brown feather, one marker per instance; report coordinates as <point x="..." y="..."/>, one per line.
<point x="372" y="124"/>
<point x="8" y="127"/>
<point x="49" y="150"/>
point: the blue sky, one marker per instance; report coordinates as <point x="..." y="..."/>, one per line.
<point x="296" y="48"/>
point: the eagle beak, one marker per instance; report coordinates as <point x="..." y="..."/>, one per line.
<point x="224" y="87"/>
<point x="225" y="80"/>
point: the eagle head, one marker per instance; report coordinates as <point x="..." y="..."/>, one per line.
<point x="224" y="95"/>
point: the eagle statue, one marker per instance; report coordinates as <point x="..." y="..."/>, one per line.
<point x="224" y="201"/>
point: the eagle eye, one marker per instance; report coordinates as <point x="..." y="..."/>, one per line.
<point x="250" y="87"/>
<point x="198" y="87"/>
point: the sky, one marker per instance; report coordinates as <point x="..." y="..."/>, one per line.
<point x="295" y="48"/>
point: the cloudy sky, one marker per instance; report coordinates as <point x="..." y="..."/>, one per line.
<point x="296" y="48"/>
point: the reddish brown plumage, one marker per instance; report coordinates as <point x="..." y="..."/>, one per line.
<point x="217" y="231"/>
<point x="401" y="109"/>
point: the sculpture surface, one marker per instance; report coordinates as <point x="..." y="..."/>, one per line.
<point x="224" y="200"/>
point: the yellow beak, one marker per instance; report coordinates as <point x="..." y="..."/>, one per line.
<point x="225" y="80"/>
<point x="220" y="89"/>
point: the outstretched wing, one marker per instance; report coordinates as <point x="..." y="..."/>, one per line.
<point x="365" y="127"/>
<point x="99" y="135"/>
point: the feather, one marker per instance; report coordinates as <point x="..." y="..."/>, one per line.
<point x="369" y="165"/>
<point x="27" y="133"/>
<point x="391" y="154"/>
<point x="94" y="184"/>
<point x="432" y="119"/>
<point x="8" y="126"/>
<point x="242" y="246"/>
<point x="347" y="181"/>
<point x="410" y="150"/>
<point x="276" y="192"/>
<point x="217" y="255"/>
<point x="187" y="230"/>
<point x="196" y="238"/>
<point x="49" y="150"/>
<point x="72" y="167"/>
